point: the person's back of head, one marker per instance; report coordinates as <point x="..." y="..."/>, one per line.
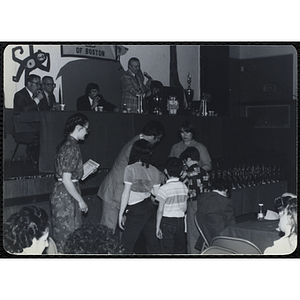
<point x="154" y="128"/>
<point x="21" y="228"/>
<point x="190" y="152"/>
<point x="222" y="185"/>
<point x="174" y="166"/>
<point x="93" y="238"/>
<point x="291" y="211"/>
<point x="141" y="151"/>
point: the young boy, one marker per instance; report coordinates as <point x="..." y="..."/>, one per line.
<point x="196" y="180"/>
<point x="172" y="198"/>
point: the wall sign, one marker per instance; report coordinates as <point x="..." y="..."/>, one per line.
<point x="90" y="51"/>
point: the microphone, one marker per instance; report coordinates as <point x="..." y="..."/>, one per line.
<point x="147" y="75"/>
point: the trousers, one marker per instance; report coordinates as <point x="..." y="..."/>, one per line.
<point x="141" y="217"/>
<point x="174" y="238"/>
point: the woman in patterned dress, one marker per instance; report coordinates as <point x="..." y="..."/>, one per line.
<point x="67" y="204"/>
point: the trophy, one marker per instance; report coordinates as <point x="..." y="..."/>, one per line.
<point x="189" y="93"/>
<point x="172" y="105"/>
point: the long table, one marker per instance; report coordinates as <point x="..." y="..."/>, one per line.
<point x="261" y="233"/>
<point x="247" y="199"/>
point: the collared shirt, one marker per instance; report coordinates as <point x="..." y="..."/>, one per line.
<point x="36" y="100"/>
<point x="91" y="102"/>
<point x="174" y="195"/>
<point x="196" y="180"/>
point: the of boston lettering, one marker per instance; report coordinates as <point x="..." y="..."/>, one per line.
<point x="94" y="52"/>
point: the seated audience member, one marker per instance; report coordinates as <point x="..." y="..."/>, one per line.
<point x="49" y="101"/>
<point x="288" y="225"/>
<point x="215" y="211"/>
<point x="172" y="198"/>
<point x="196" y="179"/>
<point x="92" y="100"/>
<point x="92" y="238"/>
<point x="30" y="97"/>
<point x="26" y="232"/>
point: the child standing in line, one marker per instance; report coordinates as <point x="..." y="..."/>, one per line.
<point x="137" y="211"/>
<point x="196" y="180"/>
<point x="172" y="198"/>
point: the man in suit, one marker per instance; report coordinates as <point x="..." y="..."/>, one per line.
<point x="132" y="83"/>
<point x="30" y="97"/>
<point x="92" y="100"/>
<point x="49" y="100"/>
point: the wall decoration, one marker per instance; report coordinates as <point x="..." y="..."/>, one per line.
<point x="35" y="60"/>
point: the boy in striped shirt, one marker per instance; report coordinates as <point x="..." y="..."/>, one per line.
<point x="172" y="198"/>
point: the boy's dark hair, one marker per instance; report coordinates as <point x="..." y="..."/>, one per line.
<point x="174" y="166"/>
<point x="190" y="152"/>
<point x="222" y="185"/>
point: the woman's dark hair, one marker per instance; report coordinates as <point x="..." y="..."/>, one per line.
<point x="174" y="166"/>
<point x="21" y="228"/>
<point x="187" y="126"/>
<point x="190" y="152"/>
<point x="91" y="238"/>
<point x="141" y="151"/>
<point x="73" y="121"/>
<point x="91" y="86"/>
<point x="153" y="128"/>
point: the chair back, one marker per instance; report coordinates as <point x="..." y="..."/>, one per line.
<point x="22" y="132"/>
<point x="241" y="246"/>
<point x="205" y="241"/>
<point x="216" y="250"/>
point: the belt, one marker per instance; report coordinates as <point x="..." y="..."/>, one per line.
<point x="73" y="180"/>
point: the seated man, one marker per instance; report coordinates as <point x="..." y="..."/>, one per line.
<point x="30" y="97"/>
<point x="92" y="100"/>
<point x="49" y="101"/>
<point x="215" y="211"/>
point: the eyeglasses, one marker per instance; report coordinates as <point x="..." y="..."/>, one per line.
<point x="282" y="202"/>
<point x="50" y="84"/>
<point x="86" y="128"/>
<point x="37" y="83"/>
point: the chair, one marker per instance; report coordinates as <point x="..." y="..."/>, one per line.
<point x="51" y="249"/>
<point x="239" y="245"/>
<point x="23" y="135"/>
<point x="205" y="243"/>
<point x="216" y="250"/>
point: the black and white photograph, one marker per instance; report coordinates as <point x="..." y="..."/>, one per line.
<point x="150" y="150"/>
<point x="200" y="96"/>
